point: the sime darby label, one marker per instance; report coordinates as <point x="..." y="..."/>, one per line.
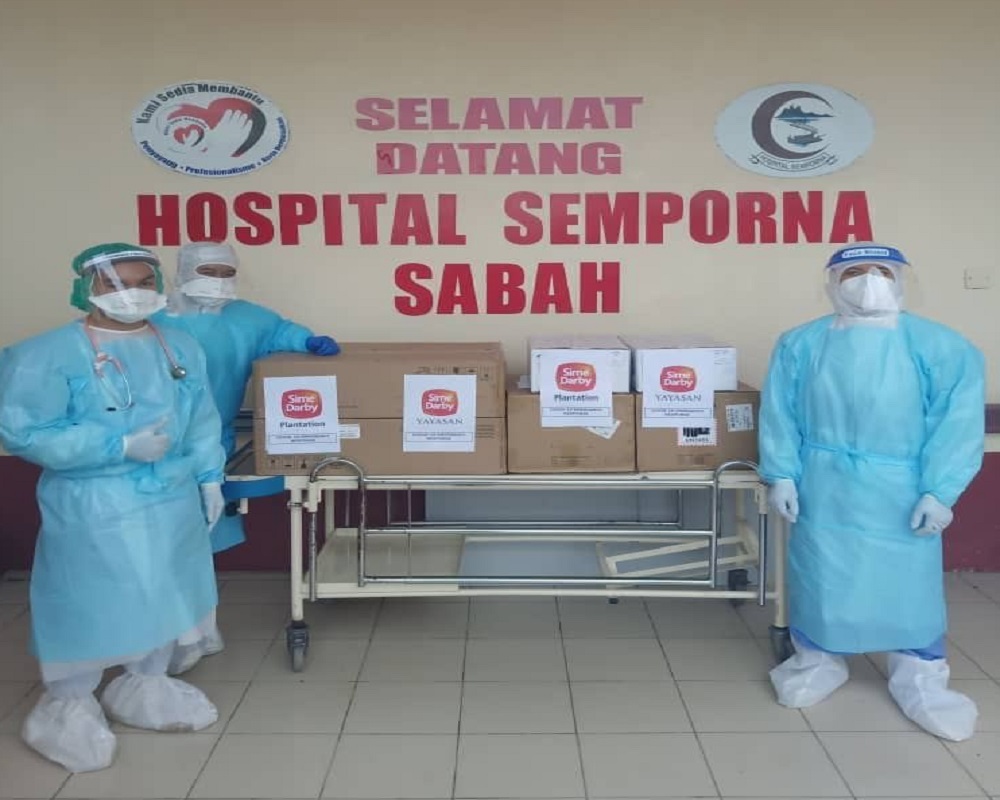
<point x="301" y="404"/>
<point x="576" y="376"/>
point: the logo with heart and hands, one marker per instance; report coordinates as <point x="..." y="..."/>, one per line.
<point x="209" y="129"/>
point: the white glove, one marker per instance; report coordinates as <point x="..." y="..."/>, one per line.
<point x="147" y="444"/>
<point x="213" y="502"/>
<point x="783" y="497"/>
<point x="930" y="516"/>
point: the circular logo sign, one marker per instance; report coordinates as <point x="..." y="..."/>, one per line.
<point x="209" y="129"/>
<point x="794" y="130"/>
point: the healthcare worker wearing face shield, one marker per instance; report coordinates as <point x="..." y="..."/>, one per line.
<point x="120" y="417"/>
<point x="233" y="333"/>
<point x="872" y="425"/>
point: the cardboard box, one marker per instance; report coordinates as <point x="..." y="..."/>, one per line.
<point x="621" y="356"/>
<point x="727" y="368"/>
<point x="377" y="446"/>
<point x="532" y="448"/>
<point x="736" y="418"/>
<point x="370" y="375"/>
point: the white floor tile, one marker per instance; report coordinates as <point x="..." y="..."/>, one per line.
<point x="257" y="592"/>
<point x="252" y="621"/>
<point x="16" y="664"/>
<point x="645" y="765"/>
<point x="517" y="708"/>
<point x="292" y="708"/>
<point x="404" y="708"/>
<point x="342" y="619"/>
<point x="14" y="719"/>
<point x="520" y="618"/>
<point x="414" y="660"/>
<point x="16" y="632"/>
<point x="632" y="707"/>
<point x="515" y="660"/>
<point x="615" y="660"/>
<point x="328" y="661"/>
<point x="11" y="694"/>
<point x="596" y="618"/>
<point x="757" y="618"/>
<point x="392" y="767"/>
<point x="537" y="766"/>
<point x="716" y="659"/>
<point x="971" y="620"/>
<point x="14" y="591"/>
<point x="897" y="764"/>
<point x="8" y="613"/>
<point x="737" y="707"/>
<point x="771" y="765"/>
<point x="272" y="766"/>
<point x="238" y="663"/>
<point x="24" y="773"/>
<point x="697" y="619"/>
<point x="146" y="766"/>
<point x="983" y="656"/>
<point x="862" y="704"/>
<point x="981" y="757"/>
<point x="958" y="588"/>
<point x="419" y="618"/>
<point x="987" y="583"/>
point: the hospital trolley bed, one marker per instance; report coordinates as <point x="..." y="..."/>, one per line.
<point x="726" y="554"/>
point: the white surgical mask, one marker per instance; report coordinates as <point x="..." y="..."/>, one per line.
<point x="870" y="295"/>
<point x="210" y="292"/>
<point x="129" y="305"/>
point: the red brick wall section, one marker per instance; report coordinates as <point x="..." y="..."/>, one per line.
<point x="971" y="543"/>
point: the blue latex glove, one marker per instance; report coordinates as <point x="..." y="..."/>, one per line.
<point x="322" y="346"/>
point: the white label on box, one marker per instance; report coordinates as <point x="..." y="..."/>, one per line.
<point x="300" y="415"/>
<point x="678" y="388"/>
<point x="576" y="389"/>
<point x="606" y="432"/>
<point x="352" y="431"/>
<point x="439" y="413"/>
<point x="739" y="417"/>
<point x="697" y="436"/>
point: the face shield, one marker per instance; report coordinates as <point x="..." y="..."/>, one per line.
<point x="865" y="283"/>
<point x="122" y="281"/>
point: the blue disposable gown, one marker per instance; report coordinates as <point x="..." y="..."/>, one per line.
<point x="866" y="420"/>
<point x="123" y="564"/>
<point x="233" y="338"/>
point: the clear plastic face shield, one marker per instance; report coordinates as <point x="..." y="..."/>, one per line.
<point x="866" y="283"/>
<point x="127" y="291"/>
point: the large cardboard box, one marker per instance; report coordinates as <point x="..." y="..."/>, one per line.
<point x="736" y="415"/>
<point x="377" y="446"/>
<point x="370" y="375"/>
<point x="532" y="448"/>
<point x="621" y="356"/>
<point x="660" y="345"/>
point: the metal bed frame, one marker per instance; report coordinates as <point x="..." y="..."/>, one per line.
<point x="409" y="558"/>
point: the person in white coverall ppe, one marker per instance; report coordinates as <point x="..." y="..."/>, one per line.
<point x="120" y="417"/>
<point x="872" y="425"/>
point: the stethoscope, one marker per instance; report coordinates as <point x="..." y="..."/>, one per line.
<point x="102" y="360"/>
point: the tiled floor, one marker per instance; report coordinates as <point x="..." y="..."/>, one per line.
<point x="487" y="698"/>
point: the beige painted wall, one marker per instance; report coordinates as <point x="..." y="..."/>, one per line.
<point x="71" y="73"/>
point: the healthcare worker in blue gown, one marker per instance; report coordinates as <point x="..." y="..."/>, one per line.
<point x="119" y="416"/>
<point x="233" y="333"/>
<point x="872" y="425"/>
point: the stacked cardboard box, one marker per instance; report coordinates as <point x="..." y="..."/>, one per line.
<point x="370" y="379"/>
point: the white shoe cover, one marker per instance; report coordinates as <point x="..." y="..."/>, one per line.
<point x="920" y="689"/>
<point x="186" y="657"/>
<point x="808" y="677"/>
<point x="158" y="703"/>
<point x="72" y="732"/>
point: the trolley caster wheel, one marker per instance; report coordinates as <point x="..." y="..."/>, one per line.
<point x="297" y="641"/>
<point x="737" y="580"/>
<point x="781" y="644"/>
<point x="613" y="601"/>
